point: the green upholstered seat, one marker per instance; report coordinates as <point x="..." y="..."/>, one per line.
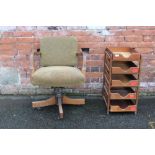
<point x="58" y="76"/>
<point x="58" y="51"/>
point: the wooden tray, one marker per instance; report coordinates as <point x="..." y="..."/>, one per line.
<point x="128" y="67"/>
<point x="124" y="81"/>
<point x="122" y="106"/>
<point x="124" y="54"/>
<point x="122" y="93"/>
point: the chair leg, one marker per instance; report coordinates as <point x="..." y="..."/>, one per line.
<point x="61" y="114"/>
<point x="73" y="101"/>
<point x="44" y="103"/>
<point x="58" y="99"/>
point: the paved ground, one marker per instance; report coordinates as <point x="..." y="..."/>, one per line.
<point x="17" y="113"/>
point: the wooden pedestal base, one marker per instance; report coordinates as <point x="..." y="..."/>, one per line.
<point x="58" y="101"/>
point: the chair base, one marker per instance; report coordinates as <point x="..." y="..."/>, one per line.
<point x="58" y="99"/>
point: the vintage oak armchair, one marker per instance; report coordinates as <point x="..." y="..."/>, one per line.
<point x="58" y="60"/>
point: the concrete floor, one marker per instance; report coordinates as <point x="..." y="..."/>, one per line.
<point x="17" y="113"/>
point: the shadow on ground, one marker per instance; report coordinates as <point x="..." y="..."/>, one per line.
<point x="18" y="113"/>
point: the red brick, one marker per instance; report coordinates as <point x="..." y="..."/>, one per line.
<point x="134" y="38"/>
<point x="36" y="45"/>
<point x="90" y="38"/>
<point x="7" y="34"/>
<point x="138" y="32"/>
<point x="127" y="44"/>
<point x="7" y="40"/>
<point x="93" y="63"/>
<point x="101" y="57"/>
<point x="114" y="38"/>
<point x="89" y="44"/>
<point x="110" y="44"/>
<point x="149" y="38"/>
<point x="24" y="51"/>
<point x="25" y="65"/>
<point x="5" y="47"/>
<point x="116" y="32"/>
<point x="146" y="44"/>
<point x="79" y="33"/>
<point x="141" y="32"/>
<point x="9" y="52"/>
<point x="136" y="44"/>
<point x="22" y="46"/>
<point x="94" y="79"/>
<point x="5" y="58"/>
<point x="25" y="40"/>
<point x="23" y="34"/>
<point x="147" y="32"/>
<point x="22" y="57"/>
<point x="145" y="50"/>
<point x="94" y="74"/>
<point x="132" y="32"/>
<point x="94" y="57"/>
<point x="97" y="50"/>
<point x="43" y="33"/>
<point x="152" y="62"/>
<point x="146" y="56"/>
<point x="37" y="40"/>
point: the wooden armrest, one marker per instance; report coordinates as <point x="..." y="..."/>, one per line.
<point x="83" y="65"/>
<point x="37" y="53"/>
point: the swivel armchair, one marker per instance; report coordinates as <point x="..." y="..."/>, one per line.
<point x="58" y="70"/>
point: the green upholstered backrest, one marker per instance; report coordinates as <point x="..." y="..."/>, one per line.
<point x="58" y="51"/>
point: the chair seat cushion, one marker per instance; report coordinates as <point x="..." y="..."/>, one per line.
<point x="57" y="76"/>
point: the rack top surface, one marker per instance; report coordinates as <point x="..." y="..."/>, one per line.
<point x="121" y="49"/>
<point x="123" y="52"/>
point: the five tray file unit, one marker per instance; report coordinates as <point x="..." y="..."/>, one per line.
<point x="121" y="79"/>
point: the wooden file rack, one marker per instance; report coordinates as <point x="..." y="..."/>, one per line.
<point x="121" y="79"/>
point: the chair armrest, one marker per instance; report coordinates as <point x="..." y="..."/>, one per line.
<point x="82" y="58"/>
<point x="32" y="61"/>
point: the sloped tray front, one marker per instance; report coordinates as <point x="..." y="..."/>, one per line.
<point x="122" y="106"/>
<point x="124" y="81"/>
<point x="122" y="93"/>
<point x="127" y="67"/>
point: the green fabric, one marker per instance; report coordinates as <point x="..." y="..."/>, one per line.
<point x="58" y="51"/>
<point x="58" y="76"/>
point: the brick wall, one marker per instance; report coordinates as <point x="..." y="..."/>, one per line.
<point x="17" y="44"/>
